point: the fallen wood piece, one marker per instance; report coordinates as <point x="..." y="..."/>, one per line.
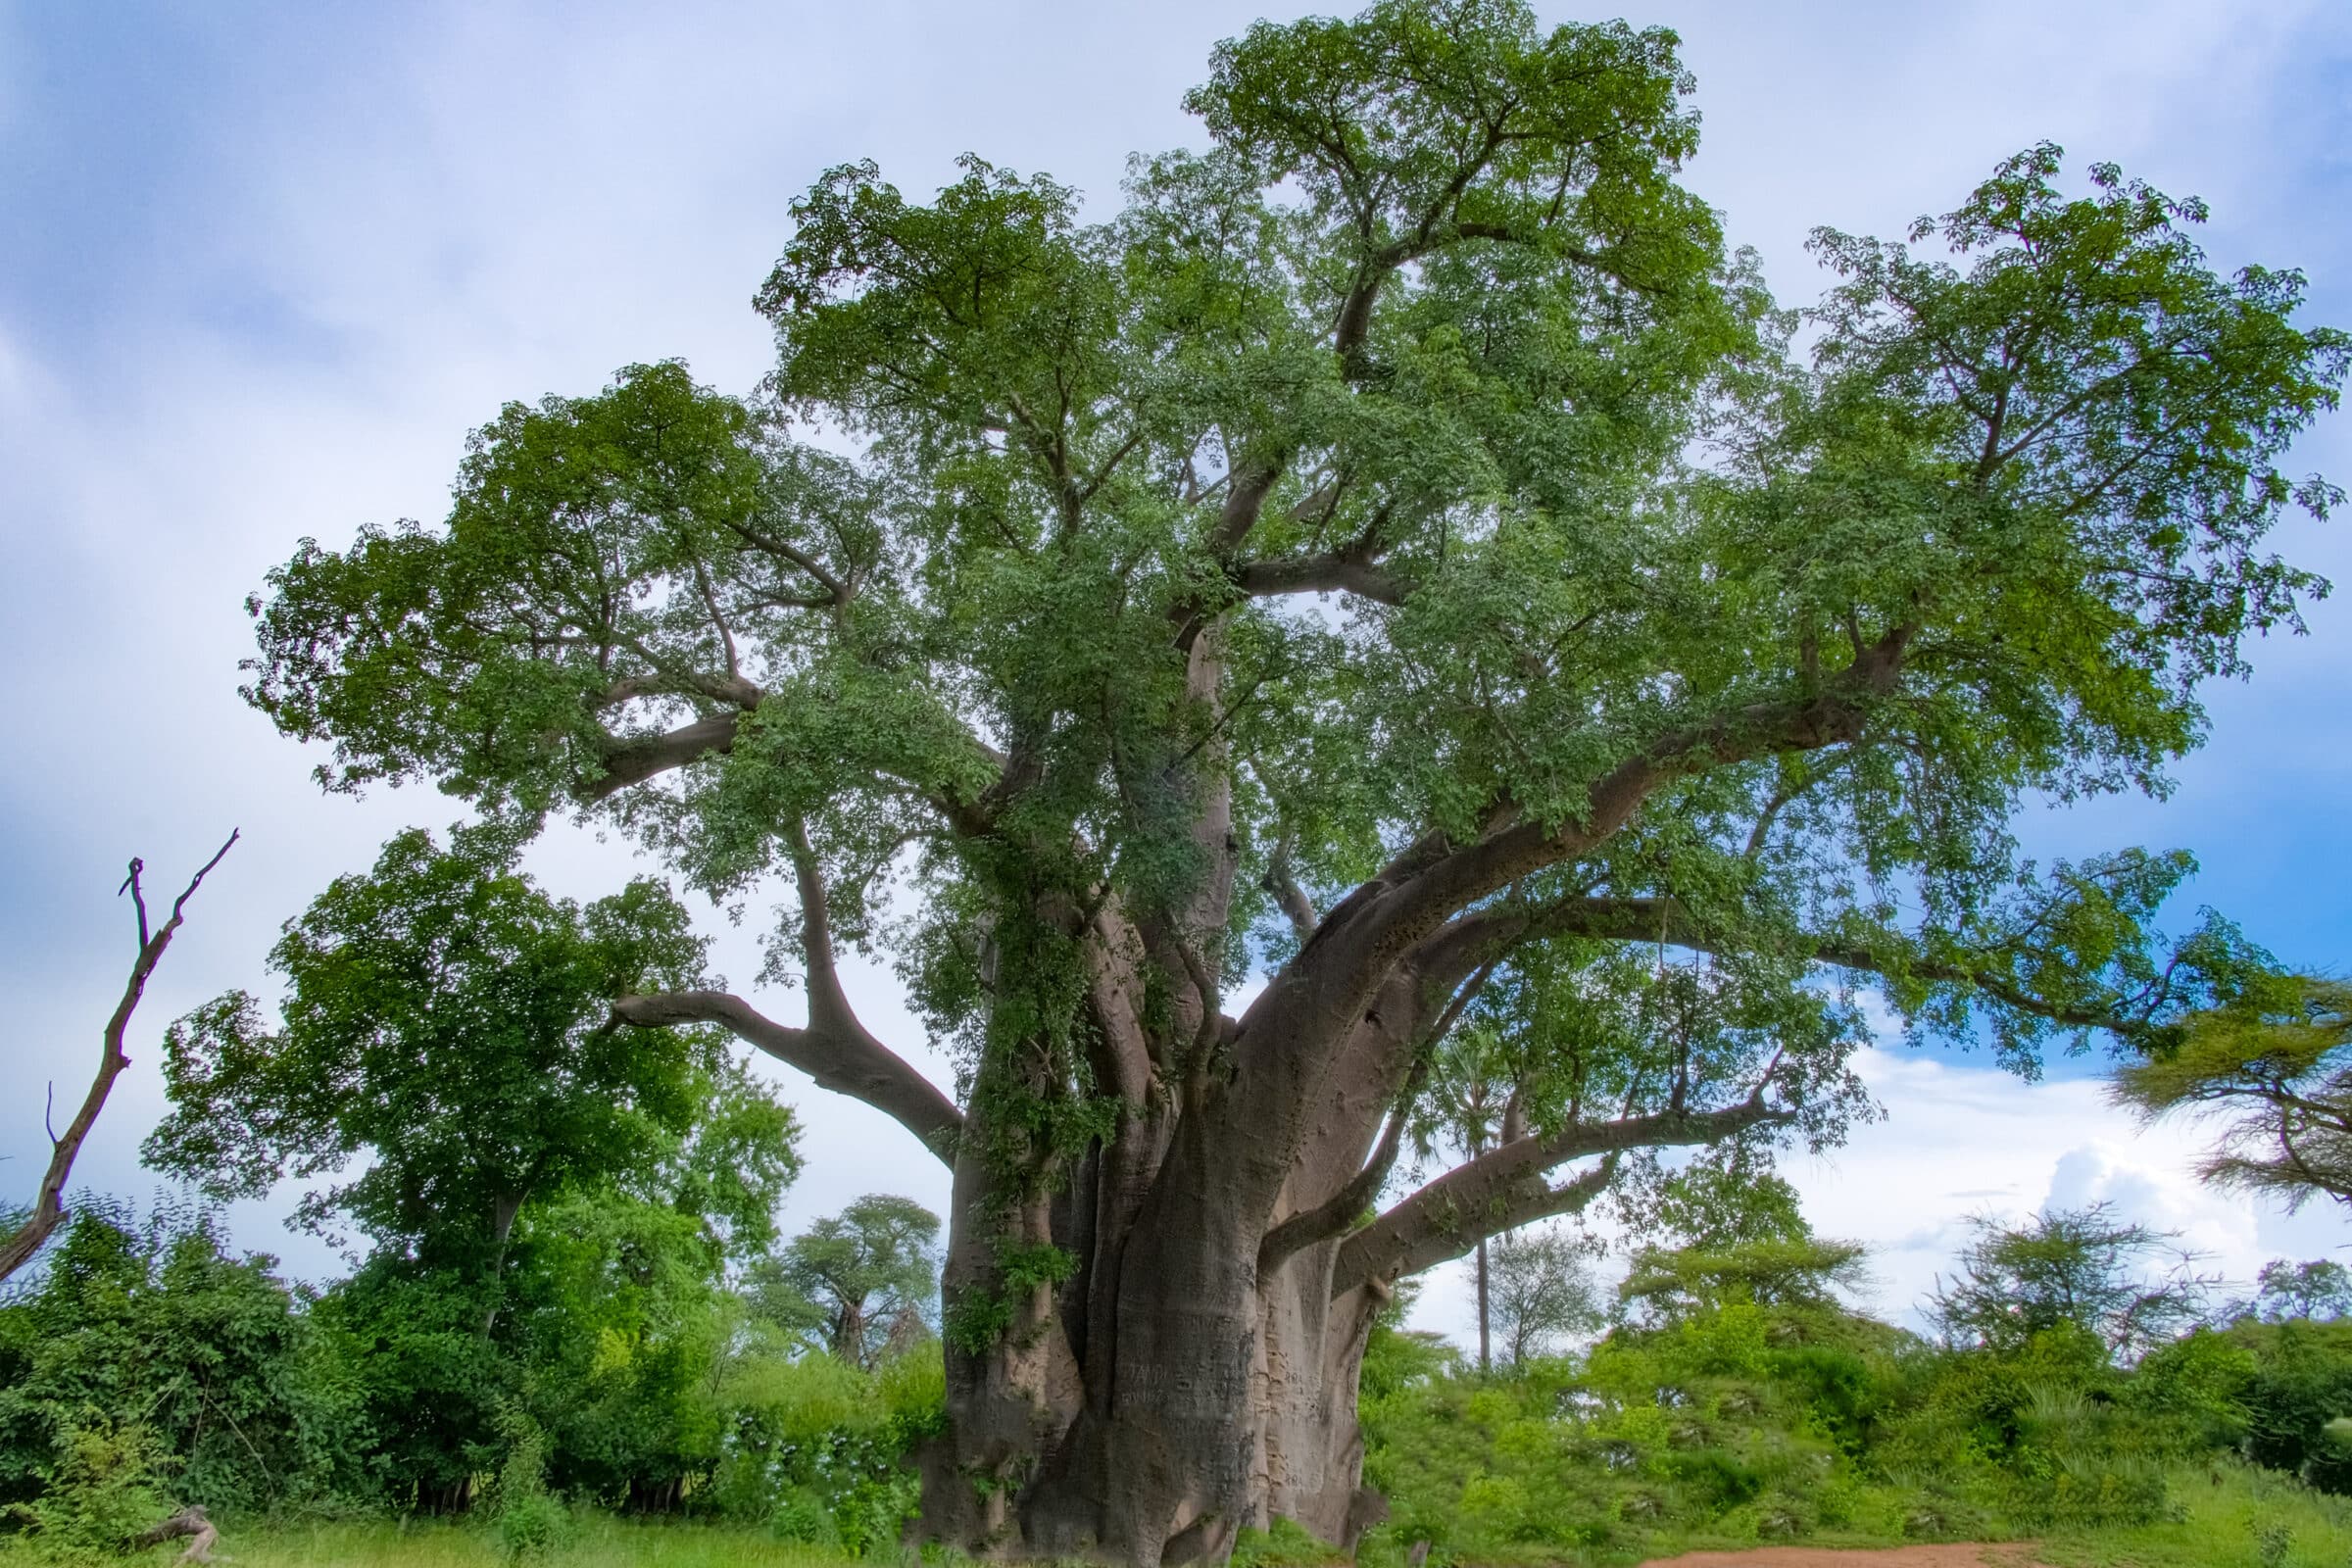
<point x="191" y="1522"/>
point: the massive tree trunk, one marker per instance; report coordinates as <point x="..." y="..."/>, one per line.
<point x="1155" y="1342"/>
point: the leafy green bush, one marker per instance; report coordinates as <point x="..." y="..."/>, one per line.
<point x="816" y="1447"/>
<point x="240" y="1398"/>
<point x="2301" y="1381"/>
<point x="105" y="1489"/>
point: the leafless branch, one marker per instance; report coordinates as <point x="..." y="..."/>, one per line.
<point x="48" y="1209"/>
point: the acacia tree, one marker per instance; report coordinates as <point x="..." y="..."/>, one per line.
<point x="2275" y="1070"/>
<point x="2125" y="1285"/>
<point x="1543" y="1291"/>
<point x="1398" y="549"/>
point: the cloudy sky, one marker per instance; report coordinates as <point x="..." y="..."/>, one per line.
<point x="262" y="265"/>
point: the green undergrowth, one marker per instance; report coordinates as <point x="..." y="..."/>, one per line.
<point x="2224" y="1514"/>
<point x="596" y="1542"/>
<point x="1741" y="1426"/>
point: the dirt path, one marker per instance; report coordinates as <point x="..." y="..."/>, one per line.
<point x="1945" y="1555"/>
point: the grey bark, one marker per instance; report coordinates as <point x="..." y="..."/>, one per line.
<point x="49" y="1207"/>
<point x="1189" y="1379"/>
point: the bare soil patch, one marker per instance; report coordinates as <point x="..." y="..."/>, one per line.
<point x="1944" y="1554"/>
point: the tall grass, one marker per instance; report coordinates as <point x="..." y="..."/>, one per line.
<point x="2225" y="1514"/>
<point x="601" y="1541"/>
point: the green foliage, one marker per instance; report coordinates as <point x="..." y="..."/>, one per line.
<point x="1542" y="1291"/>
<point x="447" y="1024"/>
<point x="106" y="1488"/>
<point x="816" y="1446"/>
<point x="1799" y="1273"/>
<point x="2320" y="1288"/>
<point x="1734" y="1421"/>
<point x="620" y="1323"/>
<point x="204" y="1364"/>
<point x="1283" y="1545"/>
<point x="1397" y="1359"/>
<point x="977" y="1317"/>
<point x="555" y="1198"/>
<point x="527" y="1521"/>
<point x="2275" y="1070"/>
<point x="2301" y="1382"/>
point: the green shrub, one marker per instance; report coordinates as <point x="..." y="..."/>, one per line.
<point x="107" y="1486"/>
<point x="2302" y="1381"/>
<point x="1283" y="1545"/>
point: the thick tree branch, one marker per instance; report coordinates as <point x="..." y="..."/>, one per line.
<point x="634" y="761"/>
<point x="203" y="1536"/>
<point x="836" y="1049"/>
<point x="1308" y="1016"/>
<point x="1474" y="936"/>
<point x="1335" y="1214"/>
<point x="1280" y="881"/>
<point x="1320" y="575"/>
<point x="1509" y="1186"/>
<point x="48" y="1208"/>
<point x="848" y="1064"/>
<point x="1245" y="498"/>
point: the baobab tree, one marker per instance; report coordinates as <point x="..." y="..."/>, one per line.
<point x="1397" y="549"/>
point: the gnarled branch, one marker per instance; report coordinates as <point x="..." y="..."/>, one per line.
<point x="856" y="1065"/>
<point x="634" y="761"/>
<point x="48" y="1208"/>
<point x="1331" y="572"/>
<point x="836" y="1049"/>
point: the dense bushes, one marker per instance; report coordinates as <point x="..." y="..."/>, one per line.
<point x="146" y="1342"/>
<point x="1722" y="1419"/>
<point x="147" y="1368"/>
<point x="814" y="1445"/>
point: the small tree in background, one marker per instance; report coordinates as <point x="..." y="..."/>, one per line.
<point x="2285" y="1291"/>
<point x="1542" y="1291"/>
<point x="2080" y="1268"/>
<point x="1665" y="1286"/>
<point x="1728" y="1198"/>
<point x="447" y="1031"/>
<point x="862" y="1282"/>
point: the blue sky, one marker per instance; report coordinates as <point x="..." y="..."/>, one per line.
<point x="264" y="266"/>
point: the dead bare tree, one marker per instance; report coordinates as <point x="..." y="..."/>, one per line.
<point x="49" y="1207"/>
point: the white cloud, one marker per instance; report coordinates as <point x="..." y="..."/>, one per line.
<point x="1960" y="1142"/>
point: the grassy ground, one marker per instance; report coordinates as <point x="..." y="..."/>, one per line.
<point x="2224" y="1511"/>
<point x="598" y="1542"/>
<point x="2229" y="1509"/>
